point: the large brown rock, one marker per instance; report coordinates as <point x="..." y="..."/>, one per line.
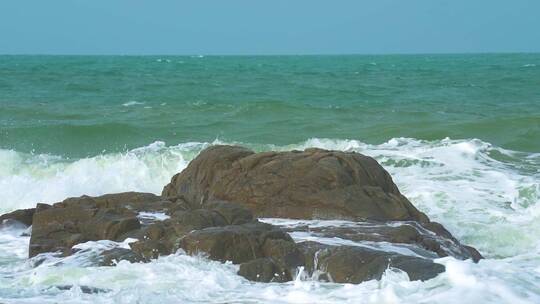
<point x="314" y="183"/>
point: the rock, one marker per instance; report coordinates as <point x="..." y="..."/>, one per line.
<point x="284" y="252"/>
<point x="232" y="213"/>
<point x="421" y="240"/>
<point x="76" y="220"/>
<point x="150" y="249"/>
<point x="155" y="231"/>
<point x="83" y="288"/>
<point x="311" y="184"/>
<point x="235" y="243"/>
<point x="265" y="252"/>
<point x="112" y="256"/>
<point x="23" y="216"/>
<point x="264" y="270"/>
<point x="59" y="227"/>
<point x="186" y="221"/>
<point x="417" y="269"/>
<point x="352" y="264"/>
<point x="475" y="254"/>
<point x="131" y="200"/>
<point x="165" y="237"/>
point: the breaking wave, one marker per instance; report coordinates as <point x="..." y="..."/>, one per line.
<point x="487" y="196"/>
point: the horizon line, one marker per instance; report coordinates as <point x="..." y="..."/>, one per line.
<point x="276" y="54"/>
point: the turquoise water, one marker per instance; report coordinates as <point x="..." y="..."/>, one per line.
<point x="460" y="135"/>
<point x="79" y="106"/>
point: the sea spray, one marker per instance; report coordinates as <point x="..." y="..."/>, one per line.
<point x="487" y="196"/>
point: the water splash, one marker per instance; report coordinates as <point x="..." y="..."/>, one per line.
<point x="487" y="196"/>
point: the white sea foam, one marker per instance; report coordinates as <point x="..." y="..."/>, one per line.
<point x="183" y="279"/>
<point x="132" y="103"/>
<point x="28" y="179"/>
<point x="487" y="196"/>
<point x="153" y="216"/>
<point x="300" y="236"/>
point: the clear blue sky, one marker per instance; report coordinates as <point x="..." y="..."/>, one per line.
<point x="268" y="27"/>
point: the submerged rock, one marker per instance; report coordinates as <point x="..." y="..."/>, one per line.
<point x="352" y="264"/>
<point x="112" y="256"/>
<point x="264" y="270"/>
<point x="83" y="289"/>
<point x="211" y="209"/>
<point x="408" y="234"/>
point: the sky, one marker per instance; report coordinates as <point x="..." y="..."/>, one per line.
<point x="235" y="27"/>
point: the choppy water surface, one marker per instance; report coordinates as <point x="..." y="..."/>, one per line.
<point x="486" y="196"/>
<point x="78" y="106"/>
<point x="459" y="134"/>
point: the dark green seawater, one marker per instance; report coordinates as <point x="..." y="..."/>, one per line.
<point x="79" y="106"/>
<point x="459" y="134"/>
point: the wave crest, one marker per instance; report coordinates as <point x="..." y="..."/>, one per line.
<point x="485" y="195"/>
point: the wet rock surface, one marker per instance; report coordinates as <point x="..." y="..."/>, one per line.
<point x="313" y="183"/>
<point x="22" y="216"/>
<point x="409" y="235"/>
<point x="59" y="227"/>
<point x="212" y="209"/>
<point x="353" y="264"/>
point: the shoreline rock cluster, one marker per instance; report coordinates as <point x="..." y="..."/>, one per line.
<point x="212" y="208"/>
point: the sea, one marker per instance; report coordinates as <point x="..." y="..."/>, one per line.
<point x="460" y="135"/>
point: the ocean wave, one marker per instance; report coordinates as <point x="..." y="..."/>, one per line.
<point x="27" y="179"/>
<point x="484" y="194"/>
<point x="167" y="278"/>
<point x="487" y="196"/>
